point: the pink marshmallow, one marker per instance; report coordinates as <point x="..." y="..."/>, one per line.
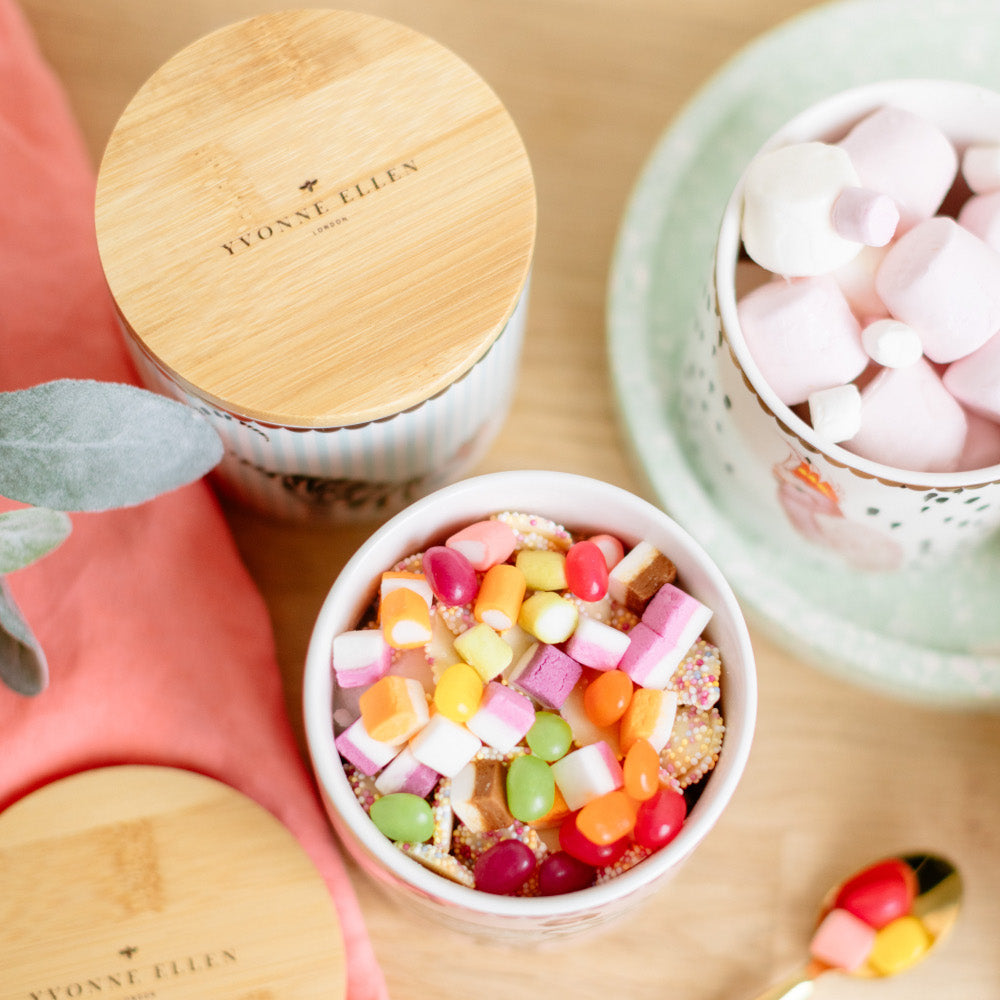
<point x="842" y="940"/>
<point x="587" y="774"/>
<point x="405" y="773"/>
<point x="981" y="216"/>
<point x="596" y="644"/>
<point x="865" y="216"/>
<point x="360" y="658"/>
<point x="909" y="420"/>
<point x="484" y="543"/>
<point x="982" y="444"/>
<point x="677" y="616"/>
<point x="803" y="336"/>
<point x="503" y="718"/>
<point x="975" y="379"/>
<point x="650" y="660"/>
<point x="856" y="280"/>
<point x="368" y="755"/>
<point x="546" y="674"/>
<point x="906" y="157"/>
<point x="981" y="167"/>
<point x="945" y="283"/>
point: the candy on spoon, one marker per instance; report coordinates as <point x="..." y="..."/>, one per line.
<point x="913" y="898"/>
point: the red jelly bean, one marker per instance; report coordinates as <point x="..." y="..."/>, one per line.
<point x="879" y="894"/>
<point x="561" y="872"/>
<point x="450" y="575"/>
<point x="660" y="819"/>
<point x="504" y="868"/>
<point x="586" y="571"/>
<point x="573" y="842"/>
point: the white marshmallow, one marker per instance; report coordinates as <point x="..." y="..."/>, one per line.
<point x="865" y="216"/>
<point x="788" y="200"/>
<point x="910" y="421"/>
<point x="835" y="413"/>
<point x="905" y="156"/>
<point x="891" y="343"/>
<point x="981" y="167"/>
<point x="444" y="745"/>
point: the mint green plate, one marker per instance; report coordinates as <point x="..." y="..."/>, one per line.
<point x="928" y="636"/>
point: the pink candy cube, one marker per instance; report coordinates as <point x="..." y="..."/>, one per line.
<point x="546" y="674"/>
<point x="842" y="940"/>
<point x="587" y="774"/>
<point x="503" y="718"/>
<point x="368" y="755"/>
<point x="597" y="645"/>
<point x="360" y="658"/>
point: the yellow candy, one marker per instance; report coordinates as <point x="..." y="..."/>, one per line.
<point x="458" y="692"/>
<point x="484" y="650"/>
<point x="548" y="617"/>
<point x="543" y="569"/>
<point x="898" y="945"/>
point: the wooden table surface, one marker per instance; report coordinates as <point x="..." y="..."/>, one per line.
<point x="837" y="775"/>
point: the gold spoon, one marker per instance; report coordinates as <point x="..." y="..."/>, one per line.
<point x="936" y="902"/>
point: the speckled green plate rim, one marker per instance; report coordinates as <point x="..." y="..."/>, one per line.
<point x="931" y="638"/>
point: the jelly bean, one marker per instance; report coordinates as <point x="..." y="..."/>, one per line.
<point x="561" y="872"/>
<point x="660" y="819"/>
<point x="612" y="548"/>
<point x="550" y="736"/>
<point x="573" y="842"/>
<point x="450" y="575"/>
<point x="608" y="818"/>
<point x="586" y="571"/>
<point x="641" y="770"/>
<point x="607" y="697"/>
<point x="880" y="893"/>
<point x="531" y="788"/>
<point x="403" y="816"/>
<point x="504" y="868"/>
<point x="458" y="692"/>
<point x="898" y="945"/>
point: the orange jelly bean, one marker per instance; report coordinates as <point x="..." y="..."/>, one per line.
<point x="608" y="818"/>
<point x="607" y="697"/>
<point x="642" y="771"/>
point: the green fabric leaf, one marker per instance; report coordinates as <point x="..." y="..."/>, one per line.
<point x="27" y="535"/>
<point x="83" y="445"/>
<point x="22" y="663"/>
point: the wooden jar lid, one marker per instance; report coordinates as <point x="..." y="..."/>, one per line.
<point x="143" y="881"/>
<point x="315" y="217"/>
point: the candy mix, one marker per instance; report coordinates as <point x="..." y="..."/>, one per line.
<point x="526" y="712"/>
<point x="873" y="921"/>
<point x="877" y="312"/>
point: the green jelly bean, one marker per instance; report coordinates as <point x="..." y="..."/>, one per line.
<point x="531" y="788"/>
<point x="403" y="816"/>
<point x="550" y="736"/>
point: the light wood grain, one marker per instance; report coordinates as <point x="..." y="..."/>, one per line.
<point x="152" y="881"/>
<point x="837" y="775"/>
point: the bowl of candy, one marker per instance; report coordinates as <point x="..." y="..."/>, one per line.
<point x="528" y="697"/>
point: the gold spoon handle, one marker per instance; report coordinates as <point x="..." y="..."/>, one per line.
<point x="796" y="987"/>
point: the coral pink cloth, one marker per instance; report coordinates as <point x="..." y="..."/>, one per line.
<point x="159" y="645"/>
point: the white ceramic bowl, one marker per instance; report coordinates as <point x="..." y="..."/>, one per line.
<point x="578" y="503"/>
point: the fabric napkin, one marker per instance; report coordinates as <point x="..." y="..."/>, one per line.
<point x="159" y="645"/>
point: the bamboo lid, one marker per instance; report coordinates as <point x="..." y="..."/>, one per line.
<point x="141" y="881"/>
<point x="315" y="217"/>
